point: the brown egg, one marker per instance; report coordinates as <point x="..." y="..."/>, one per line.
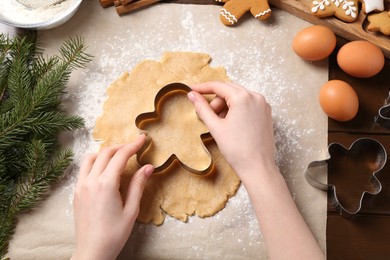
<point x="339" y="100"/>
<point x="361" y="59"/>
<point x="314" y="43"/>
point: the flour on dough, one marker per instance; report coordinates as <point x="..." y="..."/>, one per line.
<point x="175" y="191"/>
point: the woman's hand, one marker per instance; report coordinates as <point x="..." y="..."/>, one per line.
<point x="240" y="122"/>
<point x="103" y="219"/>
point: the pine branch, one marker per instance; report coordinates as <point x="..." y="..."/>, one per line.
<point x="43" y="97"/>
<point x="19" y="76"/>
<point x="73" y="53"/>
<point x="31" y="89"/>
<point x="4" y="49"/>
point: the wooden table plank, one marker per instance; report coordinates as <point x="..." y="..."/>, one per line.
<point x="365" y="236"/>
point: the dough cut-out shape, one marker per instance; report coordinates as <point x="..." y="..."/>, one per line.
<point x="357" y="167"/>
<point x="175" y="191"/>
<point x="174" y="112"/>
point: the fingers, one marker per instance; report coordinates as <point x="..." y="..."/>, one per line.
<point x="204" y="110"/>
<point x="102" y="159"/>
<point x="117" y="164"/>
<point x="111" y="161"/>
<point x="86" y="167"/>
<point x="135" y="190"/>
<point x="218" y="104"/>
<point x="223" y="90"/>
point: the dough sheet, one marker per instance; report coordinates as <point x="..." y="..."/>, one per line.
<point x="175" y="191"/>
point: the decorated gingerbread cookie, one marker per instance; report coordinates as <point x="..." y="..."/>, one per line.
<point x="233" y="10"/>
<point x="345" y="10"/>
<point x="379" y="22"/>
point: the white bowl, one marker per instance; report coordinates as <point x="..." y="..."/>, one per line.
<point x="52" y="22"/>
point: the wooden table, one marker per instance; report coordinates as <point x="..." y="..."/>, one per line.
<point x="367" y="235"/>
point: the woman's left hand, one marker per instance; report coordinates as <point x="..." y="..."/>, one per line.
<point x="103" y="219"/>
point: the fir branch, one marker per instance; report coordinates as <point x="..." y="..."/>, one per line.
<point x="46" y="123"/>
<point x="41" y="177"/>
<point x="48" y="90"/>
<point x="42" y="66"/>
<point x="4" y="49"/>
<point x="31" y="89"/>
<point x="73" y="53"/>
<point x="21" y="56"/>
<point x="7" y="229"/>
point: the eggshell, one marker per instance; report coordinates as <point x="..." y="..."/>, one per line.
<point x="314" y="43"/>
<point x="339" y="100"/>
<point x="361" y="59"/>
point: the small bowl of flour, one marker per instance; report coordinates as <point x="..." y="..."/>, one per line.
<point x="37" y="14"/>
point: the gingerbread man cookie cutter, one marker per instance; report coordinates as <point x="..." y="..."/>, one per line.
<point x="171" y="89"/>
<point x="364" y="155"/>
<point x="383" y="117"/>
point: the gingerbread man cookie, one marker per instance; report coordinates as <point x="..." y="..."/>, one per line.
<point x="345" y="10"/>
<point x="233" y="10"/>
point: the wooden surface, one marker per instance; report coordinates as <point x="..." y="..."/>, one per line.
<point x="365" y="236"/>
<point x="350" y="31"/>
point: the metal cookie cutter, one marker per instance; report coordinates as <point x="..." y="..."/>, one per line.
<point x="171" y="89"/>
<point x="383" y="117"/>
<point x="365" y="157"/>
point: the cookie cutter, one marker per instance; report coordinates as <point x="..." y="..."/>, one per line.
<point x="362" y="151"/>
<point x="383" y="117"/>
<point x="171" y="89"/>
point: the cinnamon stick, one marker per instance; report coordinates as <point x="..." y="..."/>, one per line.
<point x="125" y="2"/>
<point x="122" y="9"/>
<point x="106" y="3"/>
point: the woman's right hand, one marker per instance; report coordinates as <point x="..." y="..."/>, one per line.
<point x="240" y="122"/>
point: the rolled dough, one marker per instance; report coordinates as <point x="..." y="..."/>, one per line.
<point x="175" y="191"/>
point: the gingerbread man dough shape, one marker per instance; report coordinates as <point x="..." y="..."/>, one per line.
<point x="233" y="10"/>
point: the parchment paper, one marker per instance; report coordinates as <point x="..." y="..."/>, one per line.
<point x="255" y="54"/>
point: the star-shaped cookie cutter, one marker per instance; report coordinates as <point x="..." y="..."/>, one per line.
<point x="362" y="151"/>
<point x="383" y="117"/>
<point x="171" y="89"/>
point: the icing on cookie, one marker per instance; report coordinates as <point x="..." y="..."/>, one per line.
<point x="263" y="13"/>
<point x="228" y="16"/>
<point x="319" y="5"/>
<point x="348" y="6"/>
<point x="233" y="10"/>
<point x="373" y="5"/>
